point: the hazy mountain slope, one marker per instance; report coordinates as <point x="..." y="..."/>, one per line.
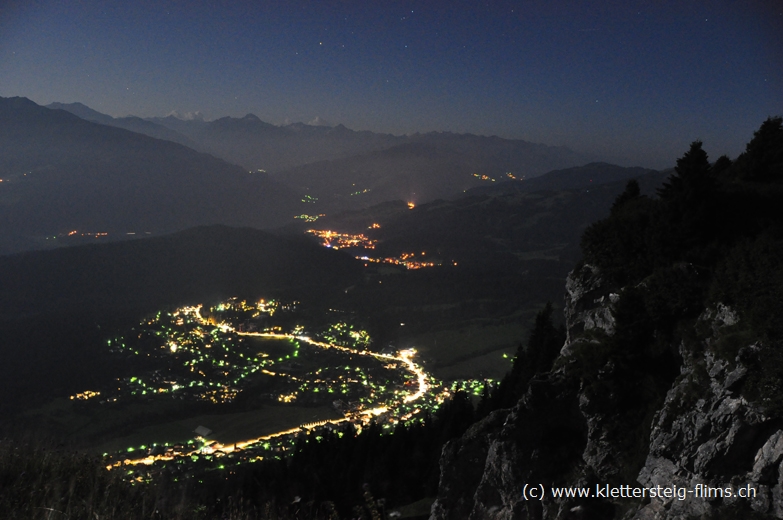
<point x="256" y="144"/>
<point x="423" y="169"/>
<point x="285" y="150"/>
<point x="83" y="111"/>
<point x="62" y="173"/>
<point x="585" y="176"/>
<point x="488" y="229"/>
<point x="134" y="124"/>
<point x="593" y="175"/>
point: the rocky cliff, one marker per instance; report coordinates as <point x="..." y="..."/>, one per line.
<point x="668" y="416"/>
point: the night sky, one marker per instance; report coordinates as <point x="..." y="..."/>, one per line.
<point x="633" y="82"/>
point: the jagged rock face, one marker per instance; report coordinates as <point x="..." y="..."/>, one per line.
<point x="537" y="442"/>
<point x="708" y="434"/>
<point x="459" y="474"/>
<point x="588" y="303"/>
<point x="482" y="472"/>
<point x="705" y="433"/>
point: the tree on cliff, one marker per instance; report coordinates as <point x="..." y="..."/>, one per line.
<point x="763" y="157"/>
<point x="692" y="177"/>
<point x="543" y="346"/>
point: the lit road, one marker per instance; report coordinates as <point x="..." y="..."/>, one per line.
<point x="405" y="357"/>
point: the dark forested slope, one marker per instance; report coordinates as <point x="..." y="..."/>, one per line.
<point x="671" y="373"/>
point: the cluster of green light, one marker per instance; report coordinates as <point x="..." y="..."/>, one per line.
<point x="309" y="218"/>
<point x="201" y="356"/>
<point x="471" y="386"/>
<point x="334" y="380"/>
<point x="308" y="198"/>
<point x="194" y="360"/>
<point x="346" y="335"/>
<point x="235" y="310"/>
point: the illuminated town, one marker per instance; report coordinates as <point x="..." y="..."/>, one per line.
<point x="210" y="354"/>
<point x="509" y="175"/>
<point x="335" y="240"/>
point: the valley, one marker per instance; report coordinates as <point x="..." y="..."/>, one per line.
<point x="256" y="356"/>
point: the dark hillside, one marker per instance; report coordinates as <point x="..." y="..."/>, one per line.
<point x="501" y="258"/>
<point x="197" y="264"/>
<point x="484" y="229"/>
<point x="58" y="307"/>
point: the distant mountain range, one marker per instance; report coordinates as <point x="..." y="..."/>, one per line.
<point x="132" y="123"/>
<point x="61" y="173"/>
<point x="345" y="169"/>
<point x="255" y="144"/>
<point x="69" y="168"/>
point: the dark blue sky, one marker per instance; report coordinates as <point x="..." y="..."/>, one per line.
<point x="630" y="81"/>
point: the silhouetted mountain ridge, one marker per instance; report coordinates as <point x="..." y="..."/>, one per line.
<point x="346" y="169"/>
<point x="298" y="144"/>
<point x="256" y="144"/>
<point x="132" y="123"/>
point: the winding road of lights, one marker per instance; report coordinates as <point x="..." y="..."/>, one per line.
<point x="358" y="418"/>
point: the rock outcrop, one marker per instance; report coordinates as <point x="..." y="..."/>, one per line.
<point x="698" y="435"/>
<point x="708" y="436"/>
